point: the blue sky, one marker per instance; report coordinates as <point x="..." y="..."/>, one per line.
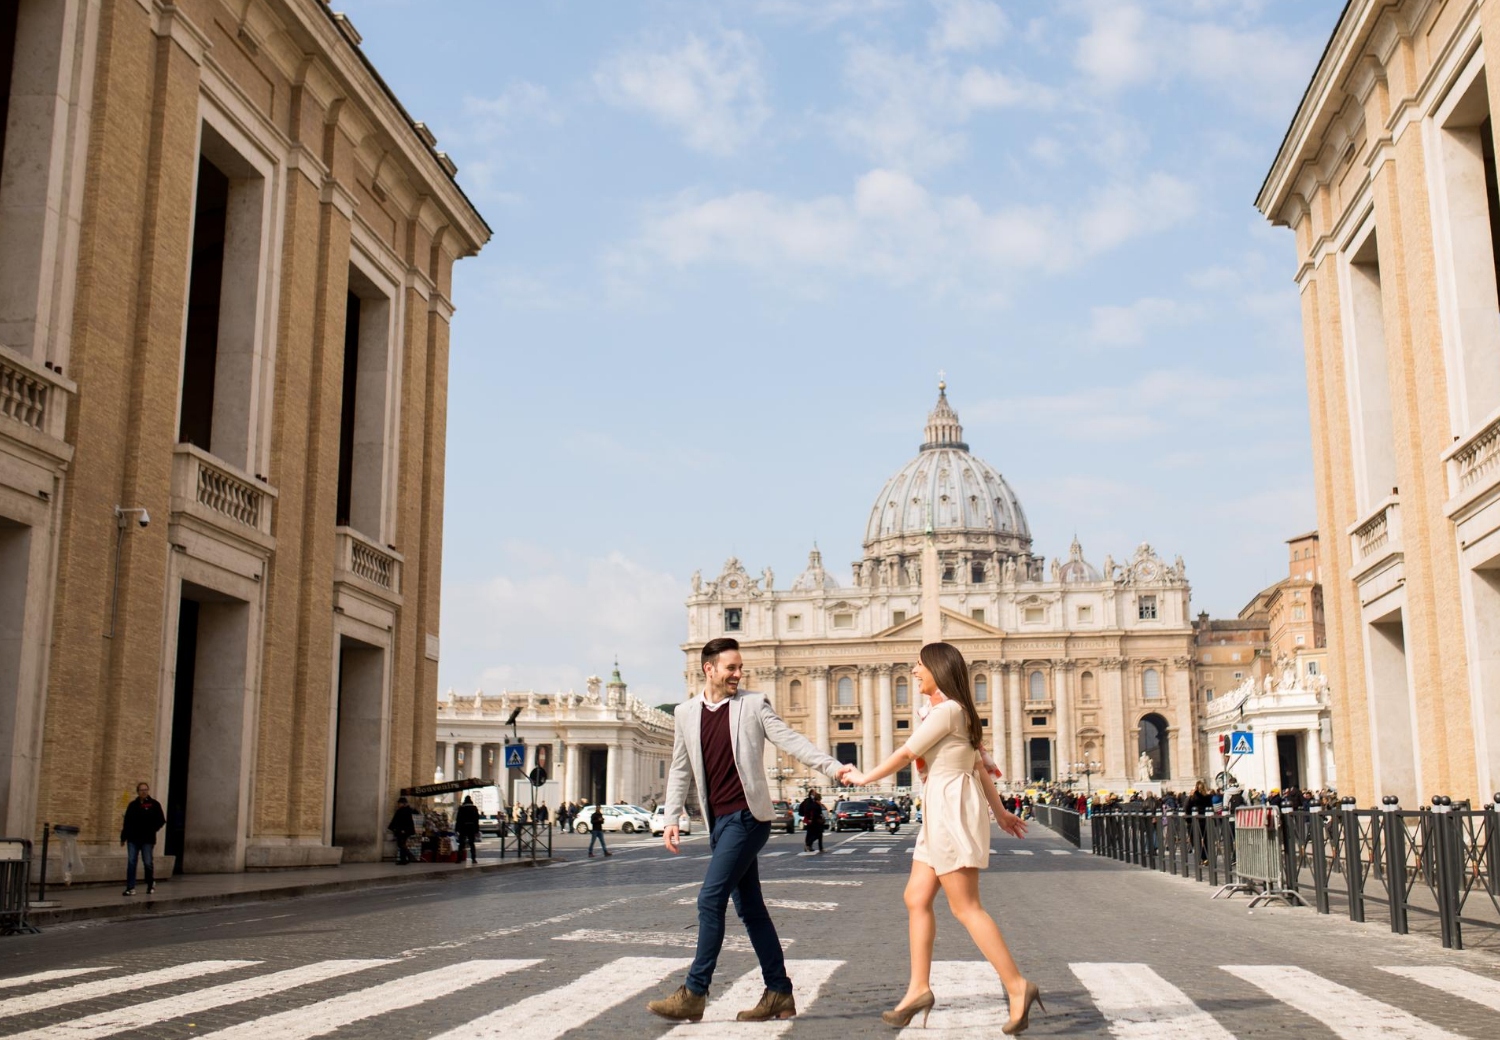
<point x="736" y="241"/>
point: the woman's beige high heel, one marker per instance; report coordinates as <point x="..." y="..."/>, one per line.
<point x="1021" y="1021"/>
<point x="902" y="1016"/>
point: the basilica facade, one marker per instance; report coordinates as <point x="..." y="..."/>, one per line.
<point x="1078" y="670"/>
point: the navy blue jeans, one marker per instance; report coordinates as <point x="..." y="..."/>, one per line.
<point x="735" y="841"/>
<point x="146" y="854"/>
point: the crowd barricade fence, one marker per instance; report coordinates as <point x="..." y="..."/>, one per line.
<point x="1064" y="822"/>
<point x="15" y="886"/>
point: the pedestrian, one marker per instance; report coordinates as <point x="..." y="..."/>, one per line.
<point x="596" y="832"/>
<point x="402" y="827"/>
<point x="466" y="824"/>
<point x="143" y="818"/>
<point x="542" y="813"/>
<point x="812" y="818"/>
<point x="954" y="843"/>
<point x="719" y="748"/>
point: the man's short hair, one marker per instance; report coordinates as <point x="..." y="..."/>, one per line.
<point x="714" y="647"/>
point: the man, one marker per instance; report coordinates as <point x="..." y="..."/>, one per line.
<point x="143" y="818"/>
<point x="811" y="810"/>
<point x="466" y="825"/>
<point x="596" y="832"/>
<point x="402" y="827"/>
<point x="720" y="747"/>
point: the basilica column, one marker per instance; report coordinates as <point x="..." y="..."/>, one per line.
<point x="996" y="743"/>
<point x="772" y="677"/>
<point x="867" y="717"/>
<point x="611" y="774"/>
<point x="1314" y="758"/>
<point x="1061" y="673"/>
<point x="1180" y="688"/>
<point x="887" y="712"/>
<point x="1018" y="770"/>
<point x="570" y="773"/>
<point x="449" y="757"/>
<point x="627" y="784"/>
<point x="1119" y="759"/>
<point x="820" y="708"/>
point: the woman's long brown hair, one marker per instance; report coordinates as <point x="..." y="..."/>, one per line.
<point x="951" y="673"/>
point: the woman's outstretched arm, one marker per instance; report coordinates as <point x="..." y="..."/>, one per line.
<point x="1009" y="822"/>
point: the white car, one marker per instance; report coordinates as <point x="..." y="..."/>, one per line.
<point x="659" y="822"/>
<point x="620" y="818"/>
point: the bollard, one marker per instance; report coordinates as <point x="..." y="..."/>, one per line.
<point x="1446" y="866"/>
<point x="1492" y="846"/>
<point x="1353" y="870"/>
<point x="41" y="892"/>
<point x="1319" y="858"/>
<point x="1395" y="861"/>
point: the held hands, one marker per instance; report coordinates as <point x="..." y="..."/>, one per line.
<point x="845" y="772"/>
<point x="853" y="777"/>
<point x="671" y="839"/>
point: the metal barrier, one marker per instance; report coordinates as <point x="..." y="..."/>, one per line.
<point x="528" y="840"/>
<point x="1060" y="821"/>
<point x="1439" y="864"/>
<point x="15" y="886"/>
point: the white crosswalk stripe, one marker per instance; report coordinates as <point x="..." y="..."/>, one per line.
<point x="1141" y="1005"/>
<point x="1456" y="981"/>
<point x="808" y="979"/>
<point x="16" y="982"/>
<point x="109" y="987"/>
<point x="779" y="904"/>
<point x="843" y="852"/>
<point x="326" y="1016"/>
<point x="886" y="848"/>
<point x="970" y="1002"/>
<point x="548" y="1015"/>
<point x="155" y="1012"/>
<point x="1347" y="1012"/>
<point x="685" y="940"/>
<point x="810" y="881"/>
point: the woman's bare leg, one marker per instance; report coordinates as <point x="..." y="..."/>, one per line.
<point x="962" y="889"/>
<point x="921" y="928"/>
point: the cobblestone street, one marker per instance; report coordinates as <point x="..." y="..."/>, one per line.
<point x="575" y="949"/>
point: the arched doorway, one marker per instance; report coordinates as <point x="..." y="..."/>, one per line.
<point x="1153" y="744"/>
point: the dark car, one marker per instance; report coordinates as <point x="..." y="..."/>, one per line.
<point x="855" y="816"/>
<point x="785" y="817"/>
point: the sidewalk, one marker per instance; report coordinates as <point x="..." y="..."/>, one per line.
<point x="205" y="891"/>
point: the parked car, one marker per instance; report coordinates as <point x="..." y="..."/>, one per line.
<point x="786" y="817"/>
<point x="620" y="818"/>
<point x="854" y="816"/>
<point x="659" y="822"/>
<point x="489" y="824"/>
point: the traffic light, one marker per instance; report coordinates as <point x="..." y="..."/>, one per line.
<point x="1224" y="743"/>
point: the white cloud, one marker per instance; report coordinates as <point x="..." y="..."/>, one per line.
<point x="967" y="25"/>
<point x="892" y="230"/>
<point x="909" y="108"/>
<point x="519" y="102"/>
<point x="712" y="91"/>
<point x="1128" y="326"/>
<point x="549" y="622"/>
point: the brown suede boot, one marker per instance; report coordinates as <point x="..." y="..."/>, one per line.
<point x="682" y="1006"/>
<point x="772" y="1005"/>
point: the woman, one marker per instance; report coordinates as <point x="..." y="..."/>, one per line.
<point x="954" y="843"/>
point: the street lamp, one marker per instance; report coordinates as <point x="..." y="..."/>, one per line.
<point x="781" y="774"/>
<point x="1087" y="770"/>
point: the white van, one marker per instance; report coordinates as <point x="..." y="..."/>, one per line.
<point x="659" y="822"/>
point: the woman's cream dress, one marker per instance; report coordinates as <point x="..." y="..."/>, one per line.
<point x="955" y="816"/>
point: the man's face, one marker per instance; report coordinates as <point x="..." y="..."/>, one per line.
<point x="725" y="671"/>
<point x="142" y="791"/>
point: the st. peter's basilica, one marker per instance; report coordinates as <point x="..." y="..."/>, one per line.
<point x="1075" y="667"/>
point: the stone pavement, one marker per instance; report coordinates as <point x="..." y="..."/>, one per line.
<point x="576" y="948"/>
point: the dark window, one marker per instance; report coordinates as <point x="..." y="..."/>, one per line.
<point x="1147" y="611"/>
<point x="903" y="778"/>
<point x="346" y="416"/>
<point x="200" y="355"/>
<point x="1039" y="758"/>
<point x="1038" y="720"/>
<point x="1492" y="190"/>
<point x="847" y="753"/>
<point x="847" y="727"/>
<point x="976" y="573"/>
<point x="984" y="722"/>
<point x="8" y="15"/>
<point x="948" y="574"/>
<point x="732" y="618"/>
<point x="903" y="724"/>
<point x="1154" y="743"/>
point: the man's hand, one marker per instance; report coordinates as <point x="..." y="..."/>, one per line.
<point x="671" y="839"/>
<point x="854" y="778"/>
<point x="844" y="771"/>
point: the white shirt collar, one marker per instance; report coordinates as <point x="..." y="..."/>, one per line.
<point x="711" y="706"/>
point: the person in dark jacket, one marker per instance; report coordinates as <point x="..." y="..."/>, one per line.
<point x="812" y="818"/>
<point x="143" y="818"/>
<point x="596" y="832"/>
<point x="466" y="824"/>
<point x="402" y="827"/>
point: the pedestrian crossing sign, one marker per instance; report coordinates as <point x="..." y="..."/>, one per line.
<point x="1242" y="743"/>
<point x="515" y="756"/>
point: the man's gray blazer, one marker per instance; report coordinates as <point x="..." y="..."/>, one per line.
<point x="752" y="721"/>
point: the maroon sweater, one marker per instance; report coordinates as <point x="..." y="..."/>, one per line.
<point x="725" y="793"/>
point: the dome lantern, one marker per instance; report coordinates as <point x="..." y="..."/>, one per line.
<point x="943" y="428"/>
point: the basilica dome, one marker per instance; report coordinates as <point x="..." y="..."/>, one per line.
<point x="949" y="491"/>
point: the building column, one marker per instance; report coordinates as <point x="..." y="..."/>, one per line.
<point x="867" y="717"/>
<point x="820" y="709"/>
<point x="570" y="773"/>
<point x="1272" y="759"/>
<point x="611" y="774"/>
<point x="1062" y="750"/>
<point x="1180" y="689"/>
<point x="450" y="757"/>
<point x="1118" y="758"/>
<point x="1017" y="763"/>
<point x="1314" y="757"/>
<point x="887" y="711"/>
<point x="629" y="784"/>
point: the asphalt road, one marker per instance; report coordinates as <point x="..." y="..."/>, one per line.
<point x="577" y="948"/>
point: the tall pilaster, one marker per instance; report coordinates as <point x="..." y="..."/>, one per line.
<point x="1119" y="758"/>
<point x="1017" y="761"/>
<point x="1186" y="746"/>
<point x="887" y="716"/>
<point x="450" y="757"/>
<point x="820" y="708"/>
<point x="570" y="773"/>
<point x="611" y="774"/>
<point x="1313" y="755"/>
<point x="1062" y="680"/>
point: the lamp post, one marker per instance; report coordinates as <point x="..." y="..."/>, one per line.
<point x="1087" y="770"/>
<point x="781" y="774"/>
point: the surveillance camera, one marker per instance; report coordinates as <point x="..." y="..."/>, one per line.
<point x="145" y="519"/>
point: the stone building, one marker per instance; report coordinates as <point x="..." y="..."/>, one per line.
<point x="1387" y="176"/>
<point x="1071" y="663"/>
<point x="225" y="277"/>
<point x="599" y="746"/>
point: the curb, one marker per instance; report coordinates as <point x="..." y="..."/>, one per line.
<point x="161" y="907"/>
